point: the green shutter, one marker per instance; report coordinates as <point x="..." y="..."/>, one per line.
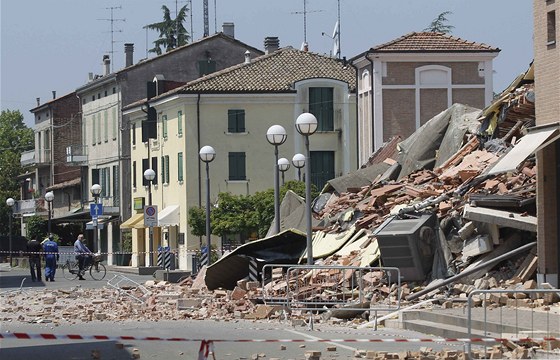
<point x="231" y="121"/>
<point x="164" y="121"/>
<point x="322" y="167"/>
<point x="99" y="128"/>
<point x="237" y="166"/>
<point x="93" y="133"/>
<point x="236" y="121"/>
<point x="180" y="166"/>
<point x="134" y="174"/>
<point x="166" y="158"/>
<point x="115" y="123"/>
<point x="321" y="105"/>
<point x="180" y="122"/>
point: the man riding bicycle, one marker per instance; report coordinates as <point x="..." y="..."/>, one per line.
<point x="82" y="254"/>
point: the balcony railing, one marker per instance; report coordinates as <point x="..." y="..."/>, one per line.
<point x="76" y="154"/>
<point x="43" y="156"/>
<point x="27" y="158"/>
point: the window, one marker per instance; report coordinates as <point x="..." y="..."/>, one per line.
<point x="180" y="166"/>
<point x="95" y="176"/>
<point x="146" y="166"/>
<point x="105" y="93"/>
<point x="164" y="122"/>
<point x="165" y="169"/>
<point x="133" y="135"/>
<point x="93" y="133"/>
<point x="105" y="126"/>
<point x="322" y="167"/>
<point x="116" y="182"/>
<point x="93" y="98"/>
<point x="236" y="121"/>
<point x="206" y="67"/>
<point x="551" y="27"/>
<point x="180" y="122"/>
<point x="236" y="166"/>
<point x="134" y="174"/>
<point x="321" y="105"/>
<point x="114" y="90"/>
<point x="105" y="181"/>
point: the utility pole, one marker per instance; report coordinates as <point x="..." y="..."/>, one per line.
<point x="112" y="20"/>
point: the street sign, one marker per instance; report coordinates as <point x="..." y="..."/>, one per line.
<point x="150" y="215"/>
<point x="95" y="210"/>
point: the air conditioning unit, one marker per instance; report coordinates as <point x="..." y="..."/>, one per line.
<point x="408" y="244"/>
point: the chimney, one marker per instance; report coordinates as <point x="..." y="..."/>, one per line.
<point x="128" y="52"/>
<point x="54" y="94"/>
<point x="271" y="44"/>
<point x="106" y="65"/>
<point x="90" y="76"/>
<point x="247" y="57"/>
<point x="228" y="28"/>
<point x="38" y="101"/>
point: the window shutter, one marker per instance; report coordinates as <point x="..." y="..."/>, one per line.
<point x="155" y="168"/>
<point x="180" y="122"/>
<point x="180" y="166"/>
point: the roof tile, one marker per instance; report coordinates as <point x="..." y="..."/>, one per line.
<point x="432" y="42"/>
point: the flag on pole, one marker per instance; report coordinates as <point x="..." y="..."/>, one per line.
<point x="336" y="38"/>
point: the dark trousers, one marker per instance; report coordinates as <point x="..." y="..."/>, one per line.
<point x="35" y="265"/>
<point x="50" y="266"/>
<point x="82" y="262"/>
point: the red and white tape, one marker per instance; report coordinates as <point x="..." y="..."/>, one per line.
<point x="27" y="336"/>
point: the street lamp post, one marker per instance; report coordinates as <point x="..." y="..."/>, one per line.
<point x="207" y="154"/>
<point x="95" y="192"/>
<point x="306" y="125"/>
<point x="150" y="175"/>
<point x="283" y="166"/>
<point x="276" y="135"/>
<point x="49" y="197"/>
<point x="10" y="202"/>
<point x="299" y="161"/>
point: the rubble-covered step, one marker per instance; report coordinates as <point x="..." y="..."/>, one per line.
<point x="441" y="330"/>
<point x="478" y="327"/>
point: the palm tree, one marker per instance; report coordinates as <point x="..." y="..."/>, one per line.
<point x="439" y="24"/>
<point x="172" y="33"/>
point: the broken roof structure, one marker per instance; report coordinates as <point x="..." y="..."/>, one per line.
<point x="440" y="194"/>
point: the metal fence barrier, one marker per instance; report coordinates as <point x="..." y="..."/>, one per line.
<point x="512" y="314"/>
<point x="318" y="288"/>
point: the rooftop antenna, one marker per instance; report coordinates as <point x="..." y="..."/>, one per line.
<point x="113" y="31"/>
<point x="205" y="11"/>
<point x="336" y="35"/>
<point x="215" y="21"/>
<point x="305" y="12"/>
<point x="190" y="9"/>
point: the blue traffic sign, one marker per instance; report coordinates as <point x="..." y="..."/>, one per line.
<point x="95" y="210"/>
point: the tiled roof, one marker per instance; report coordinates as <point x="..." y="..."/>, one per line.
<point x="432" y="42"/>
<point x="274" y="72"/>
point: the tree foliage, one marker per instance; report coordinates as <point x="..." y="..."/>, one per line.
<point x="15" y="137"/>
<point x="172" y="33"/>
<point x="240" y="214"/>
<point x="439" y="24"/>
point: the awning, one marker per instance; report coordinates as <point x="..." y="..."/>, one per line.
<point x="169" y="216"/>
<point x="134" y="219"/>
<point x="528" y="144"/>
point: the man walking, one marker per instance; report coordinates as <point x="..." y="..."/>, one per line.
<point x="82" y="253"/>
<point x="50" y="248"/>
<point x="34" y="250"/>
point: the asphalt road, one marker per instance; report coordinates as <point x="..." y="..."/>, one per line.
<point x="12" y="279"/>
<point x="240" y="339"/>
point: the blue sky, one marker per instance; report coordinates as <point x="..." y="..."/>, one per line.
<point x="51" y="45"/>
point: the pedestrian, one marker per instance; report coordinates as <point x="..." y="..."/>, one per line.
<point x="34" y="251"/>
<point x="50" y="248"/>
<point x="82" y="254"/>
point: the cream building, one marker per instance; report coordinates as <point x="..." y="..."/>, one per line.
<point x="231" y="110"/>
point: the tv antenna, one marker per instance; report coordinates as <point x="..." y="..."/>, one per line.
<point x="305" y="12"/>
<point x="336" y="34"/>
<point x="113" y="31"/>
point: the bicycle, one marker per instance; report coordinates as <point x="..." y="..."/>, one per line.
<point x="71" y="270"/>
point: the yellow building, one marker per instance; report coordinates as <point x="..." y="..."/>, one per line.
<point x="231" y="110"/>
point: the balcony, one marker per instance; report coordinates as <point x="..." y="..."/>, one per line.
<point x="27" y="158"/>
<point x="76" y="155"/>
<point x="43" y="157"/>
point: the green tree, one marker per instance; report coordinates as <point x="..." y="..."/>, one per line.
<point x="15" y="137"/>
<point x="243" y="214"/>
<point x="439" y="24"/>
<point x="172" y="33"/>
<point x="36" y="226"/>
